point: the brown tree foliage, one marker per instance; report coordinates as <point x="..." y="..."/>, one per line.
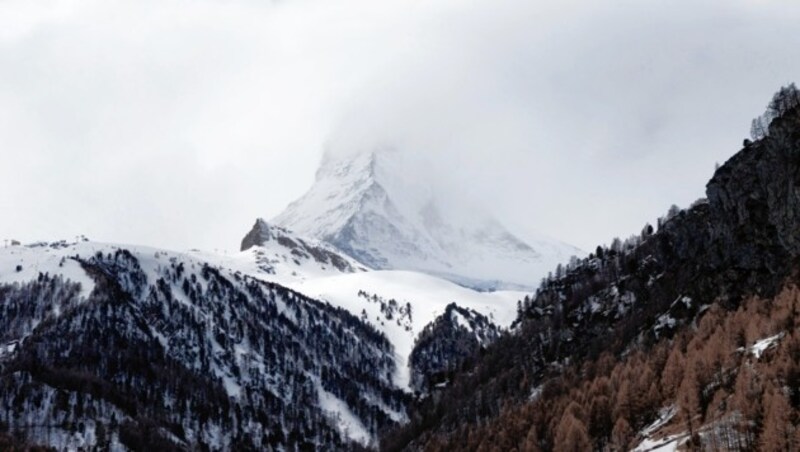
<point x="571" y="435"/>
<point x="727" y="394"/>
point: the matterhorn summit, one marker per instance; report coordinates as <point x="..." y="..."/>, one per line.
<point x="377" y="208"/>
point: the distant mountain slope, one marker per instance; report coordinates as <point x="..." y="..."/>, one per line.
<point x="371" y="207"/>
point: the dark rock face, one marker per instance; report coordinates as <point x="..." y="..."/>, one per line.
<point x="262" y="232"/>
<point x="744" y="240"/>
<point x="257" y="236"/>
<point x="747" y="235"/>
<point x="755" y="199"/>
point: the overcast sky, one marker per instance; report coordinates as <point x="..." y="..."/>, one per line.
<point x="177" y="123"/>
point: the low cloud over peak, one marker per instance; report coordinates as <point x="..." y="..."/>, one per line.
<point x="174" y="123"/>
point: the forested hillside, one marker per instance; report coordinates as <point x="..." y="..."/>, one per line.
<point x="169" y="353"/>
<point x="668" y="327"/>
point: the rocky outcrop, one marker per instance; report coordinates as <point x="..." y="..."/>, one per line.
<point x="755" y="200"/>
<point x="745" y="238"/>
<point x="259" y="234"/>
<point x="300" y="249"/>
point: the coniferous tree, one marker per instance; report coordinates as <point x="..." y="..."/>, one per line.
<point x="689" y="401"/>
<point x="531" y="443"/>
<point x="571" y="435"/>
<point x="621" y="435"/>
<point x="778" y="434"/>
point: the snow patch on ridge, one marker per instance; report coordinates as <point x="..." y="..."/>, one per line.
<point x="22" y="263"/>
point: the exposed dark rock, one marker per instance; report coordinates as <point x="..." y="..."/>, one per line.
<point x="325" y="254"/>
<point x="259" y="234"/>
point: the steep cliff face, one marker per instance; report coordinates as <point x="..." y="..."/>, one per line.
<point x="755" y="200"/>
<point x="742" y="239"/>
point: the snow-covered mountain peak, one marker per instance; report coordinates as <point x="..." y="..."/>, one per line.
<point x="381" y="208"/>
<point x="349" y="184"/>
<point x="350" y="165"/>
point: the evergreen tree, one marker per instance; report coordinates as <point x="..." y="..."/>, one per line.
<point x="571" y="435"/>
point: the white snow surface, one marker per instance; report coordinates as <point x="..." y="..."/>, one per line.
<point x="760" y="346"/>
<point x="348" y="423"/>
<point x="668" y="444"/>
<point x="662" y="444"/>
<point x="427" y="295"/>
<point x="367" y="205"/>
<point x="285" y="268"/>
<point x="44" y="258"/>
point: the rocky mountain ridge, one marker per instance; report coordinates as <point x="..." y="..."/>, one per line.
<point x="276" y="246"/>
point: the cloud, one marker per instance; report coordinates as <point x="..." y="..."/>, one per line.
<point x="176" y="123"/>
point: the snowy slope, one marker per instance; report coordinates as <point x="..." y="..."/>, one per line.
<point x="373" y="207"/>
<point x="24" y="263"/>
<point x="398" y="304"/>
<point x="246" y="338"/>
<point x="362" y="291"/>
<point x="428" y="297"/>
<point x="370" y="292"/>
